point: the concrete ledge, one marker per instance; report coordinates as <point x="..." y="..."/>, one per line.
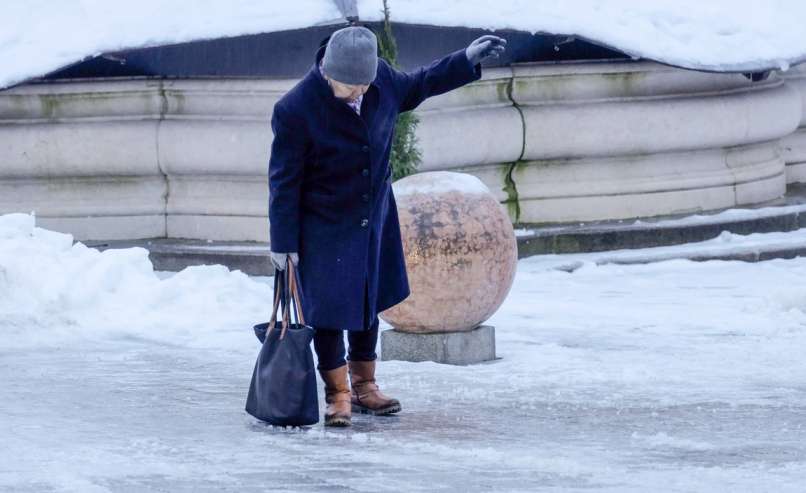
<point x="252" y="258"/>
<point x="579" y="240"/>
<point x="788" y="214"/>
<point x="453" y="348"/>
<point x="793" y="146"/>
<point x="743" y="255"/>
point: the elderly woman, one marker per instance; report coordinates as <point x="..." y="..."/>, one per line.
<point x="331" y="207"/>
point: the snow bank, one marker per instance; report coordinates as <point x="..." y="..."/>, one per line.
<point x="39" y="36"/>
<point x="715" y="34"/>
<point x="52" y="290"/>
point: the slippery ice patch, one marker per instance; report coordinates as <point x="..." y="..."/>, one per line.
<point x="39" y="36"/>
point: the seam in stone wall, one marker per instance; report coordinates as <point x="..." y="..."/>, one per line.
<point x="510" y="187"/>
<point x="160" y="118"/>
<point x="510" y="85"/>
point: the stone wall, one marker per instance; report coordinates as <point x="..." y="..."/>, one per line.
<point x="794" y="145"/>
<point x="126" y="159"/>
<point x="140" y="158"/>
<point x="582" y="142"/>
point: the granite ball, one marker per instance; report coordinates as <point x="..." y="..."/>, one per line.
<point x="460" y="249"/>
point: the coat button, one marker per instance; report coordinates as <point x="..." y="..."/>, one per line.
<point x="365" y="172"/>
<point x="365" y="197"/>
<point x="364" y="223"/>
<point x="365" y="148"/>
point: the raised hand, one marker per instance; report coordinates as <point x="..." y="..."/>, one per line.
<point x="487" y="46"/>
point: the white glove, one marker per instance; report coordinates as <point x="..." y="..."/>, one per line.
<point x="279" y="259"/>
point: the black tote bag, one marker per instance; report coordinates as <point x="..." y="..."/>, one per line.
<point x="283" y="388"/>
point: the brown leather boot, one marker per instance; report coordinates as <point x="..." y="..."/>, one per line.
<point x="337" y="396"/>
<point x="366" y="397"/>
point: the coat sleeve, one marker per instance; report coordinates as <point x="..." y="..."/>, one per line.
<point x="443" y="75"/>
<point x="286" y="171"/>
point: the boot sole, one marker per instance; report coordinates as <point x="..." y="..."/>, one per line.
<point x="396" y="408"/>
<point x="338" y="422"/>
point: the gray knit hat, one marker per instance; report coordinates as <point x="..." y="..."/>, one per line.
<point x="351" y="55"/>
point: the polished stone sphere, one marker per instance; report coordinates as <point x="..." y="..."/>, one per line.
<point x="460" y="251"/>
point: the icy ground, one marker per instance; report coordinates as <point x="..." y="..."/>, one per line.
<point x="673" y="376"/>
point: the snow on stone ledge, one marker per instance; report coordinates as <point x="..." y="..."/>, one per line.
<point x="436" y="182"/>
<point x="727" y="35"/>
<point x="39" y="36"/>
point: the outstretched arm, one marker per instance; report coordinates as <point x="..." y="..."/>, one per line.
<point x="450" y="72"/>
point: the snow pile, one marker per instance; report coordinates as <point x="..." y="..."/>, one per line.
<point x="52" y="290"/>
<point x="721" y="34"/>
<point x="39" y="36"/>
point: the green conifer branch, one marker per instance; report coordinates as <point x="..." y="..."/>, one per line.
<point x="405" y="157"/>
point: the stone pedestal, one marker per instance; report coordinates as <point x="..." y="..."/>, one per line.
<point x="453" y="348"/>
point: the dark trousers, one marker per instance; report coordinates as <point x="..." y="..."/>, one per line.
<point x="329" y="346"/>
<point x="329" y="343"/>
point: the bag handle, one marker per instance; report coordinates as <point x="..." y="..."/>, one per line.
<point x="276" y="303"/>
<point x="290" y="295"/>
<point x="286" y="301"/>
<point x="294" y="289"/>
<point x="280" y="288"/>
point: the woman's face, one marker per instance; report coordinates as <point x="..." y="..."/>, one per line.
<point x="348" y="92"/>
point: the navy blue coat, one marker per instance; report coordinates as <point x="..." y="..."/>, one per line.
<point x="330" y="194"/>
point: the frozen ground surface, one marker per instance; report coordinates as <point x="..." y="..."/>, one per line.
<point x="673" y="376"/>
